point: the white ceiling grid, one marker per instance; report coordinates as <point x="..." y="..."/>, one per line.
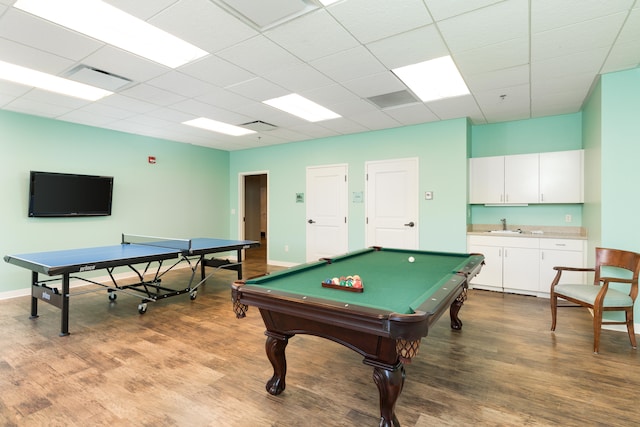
<point x="520" y="59"/>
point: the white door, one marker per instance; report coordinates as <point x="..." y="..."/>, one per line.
<point x="327" y="233"/>
<point x="392" y="203"/>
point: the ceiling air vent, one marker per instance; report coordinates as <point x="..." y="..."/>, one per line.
<point x="259" y="126"/>
<point x="98" y="78"/>
<point x="393" y="99"/>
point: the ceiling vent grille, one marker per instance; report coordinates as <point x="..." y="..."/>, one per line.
<point x="259" y="126"/>
<point x="393" y="99"/>
<point x="98" y="78"/>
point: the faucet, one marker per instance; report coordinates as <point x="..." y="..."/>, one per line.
<point x="504" y="223"/>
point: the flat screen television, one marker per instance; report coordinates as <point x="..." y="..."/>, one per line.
<point x="54" y="194"/>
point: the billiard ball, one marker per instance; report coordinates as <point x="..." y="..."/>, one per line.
<point x="411" y="259"/>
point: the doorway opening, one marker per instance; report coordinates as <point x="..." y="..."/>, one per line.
<point x="255" y="224"/>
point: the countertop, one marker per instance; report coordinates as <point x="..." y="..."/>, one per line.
<point x="529" y="231"/>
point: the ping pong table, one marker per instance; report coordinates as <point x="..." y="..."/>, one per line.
<point x="139" y="254"/>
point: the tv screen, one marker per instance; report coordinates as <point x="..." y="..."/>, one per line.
<point x="60" y="194"/>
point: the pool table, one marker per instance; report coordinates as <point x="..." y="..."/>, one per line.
<point x="404" y="293"/>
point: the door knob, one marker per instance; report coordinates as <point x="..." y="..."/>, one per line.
<point x="311" y="221"/>
<point x="411" y="224"/>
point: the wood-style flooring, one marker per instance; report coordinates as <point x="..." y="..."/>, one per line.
<point x="192" y="363"/>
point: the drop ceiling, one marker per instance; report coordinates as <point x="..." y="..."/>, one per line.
<point x="520" y="59"/>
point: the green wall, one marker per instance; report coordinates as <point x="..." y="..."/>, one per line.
<point x="592" y="131"/>
<point x="620" y="153"/>
<point x="185" y="194"/>
<point x="554" y="133"/>
<point x="441" y="148"/>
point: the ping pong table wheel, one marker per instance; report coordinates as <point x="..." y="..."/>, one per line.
<point x="142" y="308"/>
<point x="112" y="296"/>
<point x="193" y="295"/>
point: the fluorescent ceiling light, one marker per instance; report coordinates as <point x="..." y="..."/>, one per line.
<point x="302" y="107"/>
<point x="328" y="2"/>
<point x="435" y="79"/>
<point x="51" y="83"/>
<point x="106" y="23"/>
<point x="219" y="127"/>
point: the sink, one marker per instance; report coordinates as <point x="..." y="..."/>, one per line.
<point x="506" y="231"/>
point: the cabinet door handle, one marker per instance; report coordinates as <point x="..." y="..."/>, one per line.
<point x="410" y="224"/>
<point x="311" y="221"/>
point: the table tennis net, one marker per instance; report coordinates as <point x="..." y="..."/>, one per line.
<point x="163" y="242"/>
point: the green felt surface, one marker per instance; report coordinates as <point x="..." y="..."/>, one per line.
<point x="390" y="281"/>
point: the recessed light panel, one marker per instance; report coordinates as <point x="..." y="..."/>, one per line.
<point x="111" y="25"/>
<point x="432" y="80"/>
<point x="216" y="126"/>
<point x="28" y="77"/>
<point x="302" y="107"/>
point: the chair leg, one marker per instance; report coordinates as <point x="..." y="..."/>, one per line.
<point x="554" y="310"/>
<point x="597" y="326"/>
<point x="632" y="335"/>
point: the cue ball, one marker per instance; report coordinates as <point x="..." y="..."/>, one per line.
<point x="411" y="259"/>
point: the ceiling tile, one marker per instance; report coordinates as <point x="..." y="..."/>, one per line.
<point x="43" y="35"/>
<point x="375" y="84"/>
<point x="549" y="14"/>
<point x="36" y="107"/>
<point x="26" y="56"/>
<point x="450" y="108"/>
<point x="258" y="89"/>
<point x="418" y="45"/>
<point x="579" y="37"/>
<point x="191" y="20"/>
<point x="349" y="64"/>
<point x="411" y="114"/>
<point x="505" y="77"/>
<point x="373" y="20"/>
<point x="504" y="21"/>
<point x="375" y="120"/>
<point x="446" y="9"/>
<point x="507" y="54"/>
<point x="152" y="94"/>
<point x="312" y="36"/>
<point x="143" y="9"/>
<point x="299" y="78"/>
<point x="177" y="82"/>
<point x="259" y="55"/>
<point x="218" y="71"/>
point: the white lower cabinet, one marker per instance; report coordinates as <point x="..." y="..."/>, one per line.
<point x="561" y="252"/>
<point x="524" y="264"/>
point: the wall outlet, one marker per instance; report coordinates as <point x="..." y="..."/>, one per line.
<point x="567" y="218"/>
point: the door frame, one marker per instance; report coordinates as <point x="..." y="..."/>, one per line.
<point x="241" y="206"/>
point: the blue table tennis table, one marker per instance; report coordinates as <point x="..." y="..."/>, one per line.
<point x="139" y="254"/>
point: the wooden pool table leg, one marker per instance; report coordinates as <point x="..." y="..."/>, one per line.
<point x="456" y="323"/>
<point x="390" y="383"/>
<point x="275" y="346"/>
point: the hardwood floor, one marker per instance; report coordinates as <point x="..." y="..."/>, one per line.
<point x="192" y="363"/>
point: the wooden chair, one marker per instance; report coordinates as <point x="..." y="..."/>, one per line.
<point x="599" y="296"/>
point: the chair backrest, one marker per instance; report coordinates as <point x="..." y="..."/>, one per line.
<point x="618" y="258"/>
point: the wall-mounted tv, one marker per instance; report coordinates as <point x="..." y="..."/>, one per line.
<point x="62" y="194"/>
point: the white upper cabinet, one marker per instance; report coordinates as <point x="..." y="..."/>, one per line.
<point x="555" y="177"/>
<point x="521" y="178"/>
<point x="562" y="177"/>
<point x="486" y="180"/>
